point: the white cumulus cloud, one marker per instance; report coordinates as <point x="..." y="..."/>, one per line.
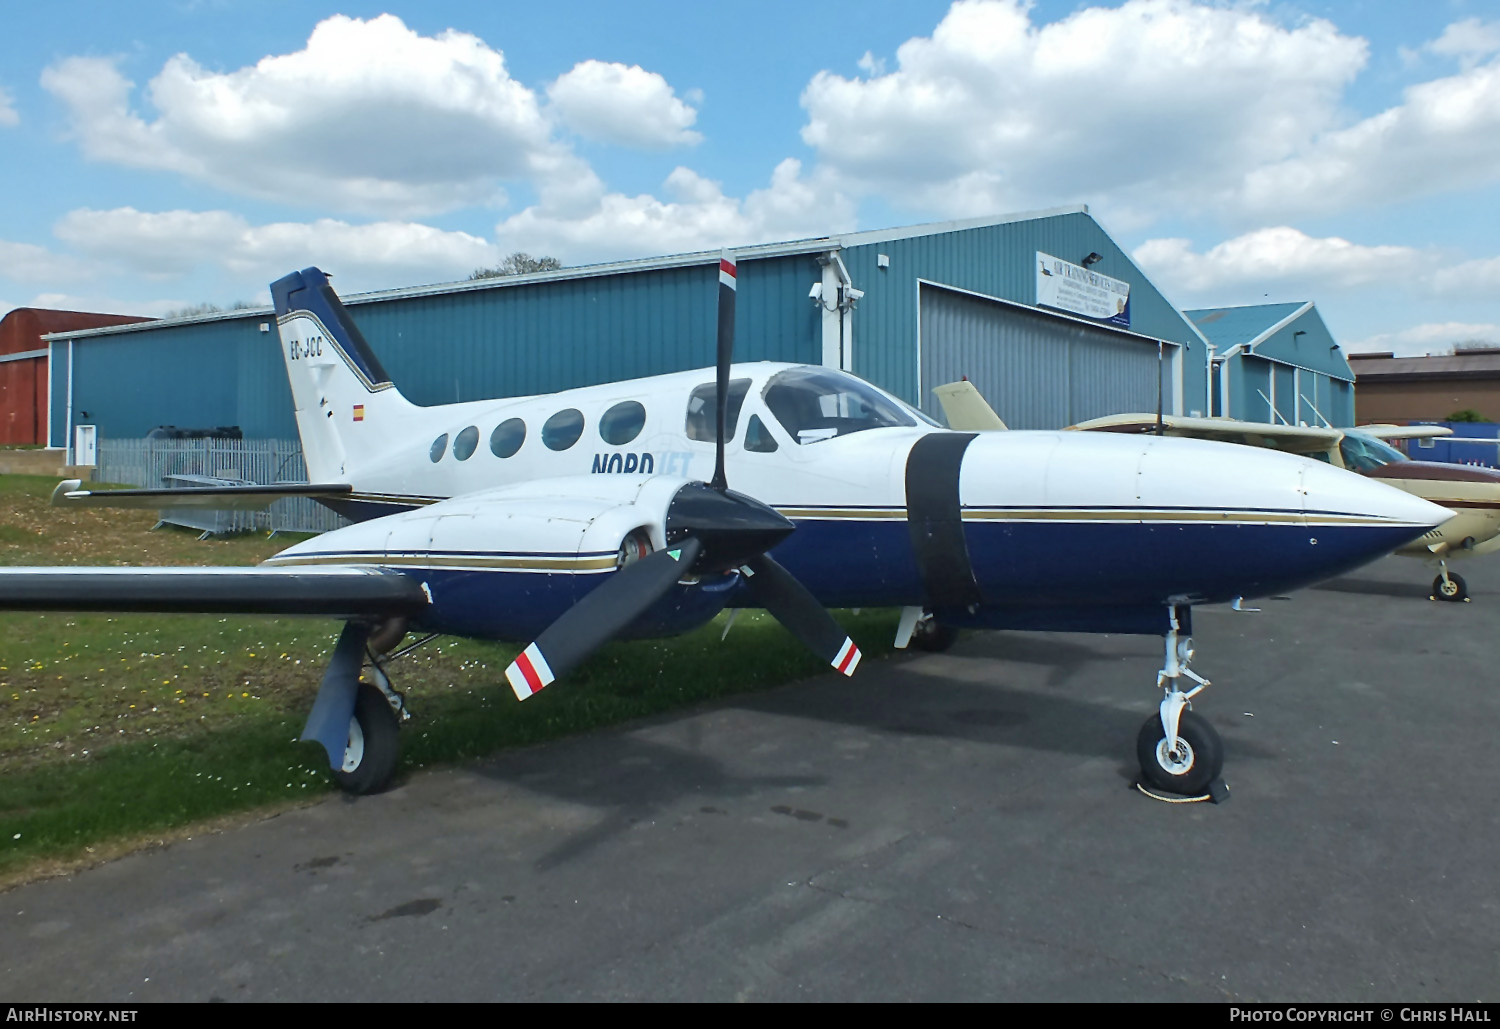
<point x="9" y="119"/>
<point x="1431" y="338"/>
<point x="1279" y="256"/>
<point x="622" y="104"/>
<point x="164" y="244"/>
<point x="27" y="262"/>
<point x="698" y="216"/>
<point x="1443" y="136"/>
<point x="1148" y="104"/>
<point x="369" y="116"/>
<point x="1469" y="40"/>
<point x="1471" y="278"/>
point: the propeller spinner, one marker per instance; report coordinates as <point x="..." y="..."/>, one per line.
<point x="710" y="528"/>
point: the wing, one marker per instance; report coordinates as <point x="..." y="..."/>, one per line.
<point x="345" y="592"/>
<point x="220" y="498"/>
<point x="1406" y="431"/>
<point x="1292" y="439"/>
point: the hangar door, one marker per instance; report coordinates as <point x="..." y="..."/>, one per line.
<point x="1036" y="370"/>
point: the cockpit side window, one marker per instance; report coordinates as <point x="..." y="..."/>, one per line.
<point x="701" y="417"/>
<point x="758" y="438"/>
<point x="815" y="404"/>
<point x="1362" y="453"/>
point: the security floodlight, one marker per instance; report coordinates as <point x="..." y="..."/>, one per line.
<point x="1093" y="258"/>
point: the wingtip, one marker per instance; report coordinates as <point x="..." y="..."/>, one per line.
<point x="60" y="494"/>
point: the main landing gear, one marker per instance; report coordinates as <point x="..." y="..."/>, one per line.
<point x="358" y="715"/>
<point x="1179" y="752"/>
<point x="1449" y="586"/>
<point x="918" y="628"/>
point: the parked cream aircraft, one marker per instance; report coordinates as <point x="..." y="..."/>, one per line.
<point x="603" y="512"/>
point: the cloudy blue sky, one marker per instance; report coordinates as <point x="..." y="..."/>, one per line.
<point x="160" y="154"/>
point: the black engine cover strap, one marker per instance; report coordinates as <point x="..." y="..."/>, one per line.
<point x="935" y="518"/>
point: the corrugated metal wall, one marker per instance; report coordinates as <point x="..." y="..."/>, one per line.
<point x="1036" y="370"/>
<point x="1286" y="393"/>
<point x="1250" y="389"/>
<point x="535" y="337"/>
<point x="470" y="345"/>
<point x="997" y="261"/>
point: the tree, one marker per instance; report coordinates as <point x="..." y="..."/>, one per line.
<point x="518" y="263"/>
<point x="194" y="310"/>
<point x="1474" y="344"/>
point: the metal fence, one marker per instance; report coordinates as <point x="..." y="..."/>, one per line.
<point x="154" y="464"/>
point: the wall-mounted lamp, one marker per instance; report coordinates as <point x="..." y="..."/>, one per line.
<point x="1093" y="258"/>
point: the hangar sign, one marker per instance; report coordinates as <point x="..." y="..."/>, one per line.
<point x="1072" y="287"/>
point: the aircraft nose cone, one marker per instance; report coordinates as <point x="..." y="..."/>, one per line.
<point x="1332" y="491"/>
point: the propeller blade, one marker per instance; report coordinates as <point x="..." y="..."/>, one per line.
<point x="599" y="616"/>
<point x="775" y="589"/>
<point x="727" y="283"/>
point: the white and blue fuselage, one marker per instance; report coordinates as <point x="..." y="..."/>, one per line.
<point x="509" y="510"/>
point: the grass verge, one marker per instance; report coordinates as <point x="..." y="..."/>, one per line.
<point x="116" y="731"/>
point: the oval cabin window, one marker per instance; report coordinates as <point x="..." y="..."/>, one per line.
<point x="622" y="423"/>
<point x="562" y="430"/>
<point x="465" y="443"/>
<point x="508" y="437"/>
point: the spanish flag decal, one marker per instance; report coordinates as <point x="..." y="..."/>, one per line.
<point x="359" y="412"/>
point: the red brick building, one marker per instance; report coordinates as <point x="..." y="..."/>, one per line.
<point x="24" y="366"/>
<point x="1426" y="389"/>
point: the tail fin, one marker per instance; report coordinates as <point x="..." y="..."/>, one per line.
<point x="965" y="407"/>
<point x="348" y="410"/>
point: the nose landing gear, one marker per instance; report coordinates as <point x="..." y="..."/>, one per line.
<point x="1179" y="751"/>
<point x="1449" y="586"/>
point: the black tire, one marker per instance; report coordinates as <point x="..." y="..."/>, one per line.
<point x="1201" y="760"/>
<point x="370" y="760"/>
<point x="932" y="636"/>
<point x="1454" y="589"/>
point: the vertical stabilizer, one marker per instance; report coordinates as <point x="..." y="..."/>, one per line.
<point x="348" y="410"/>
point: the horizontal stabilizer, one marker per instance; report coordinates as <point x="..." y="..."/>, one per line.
<point x="215" y="498"/>
<point x="343" y="592"/>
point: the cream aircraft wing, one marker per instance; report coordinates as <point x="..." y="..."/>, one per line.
<point x="1405" y="431"/>
<point x="1291" y="439"/>
<point x="965" y="407"/>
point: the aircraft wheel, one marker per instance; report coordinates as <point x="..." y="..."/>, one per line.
<point x="370" y="757"/>
<point x="1452" y="588"/>
<point x="932" y="636"/>
<point x="1197" y="761"/>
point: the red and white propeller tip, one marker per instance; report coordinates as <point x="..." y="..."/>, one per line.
<point x="529" y="673"/>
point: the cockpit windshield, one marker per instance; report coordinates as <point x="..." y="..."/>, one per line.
<point x="1361" y="452"/>
<point x="815" y="404"/>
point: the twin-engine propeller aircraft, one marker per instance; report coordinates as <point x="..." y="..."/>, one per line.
<point x="1472" y="492"/>
<point x="603" y="512"/>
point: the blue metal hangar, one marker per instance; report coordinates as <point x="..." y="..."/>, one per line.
<point x="1042" y="311"/>
<point x="1276" y="363"/>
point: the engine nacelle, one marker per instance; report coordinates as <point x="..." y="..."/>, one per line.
<point x="504" y="563"/>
